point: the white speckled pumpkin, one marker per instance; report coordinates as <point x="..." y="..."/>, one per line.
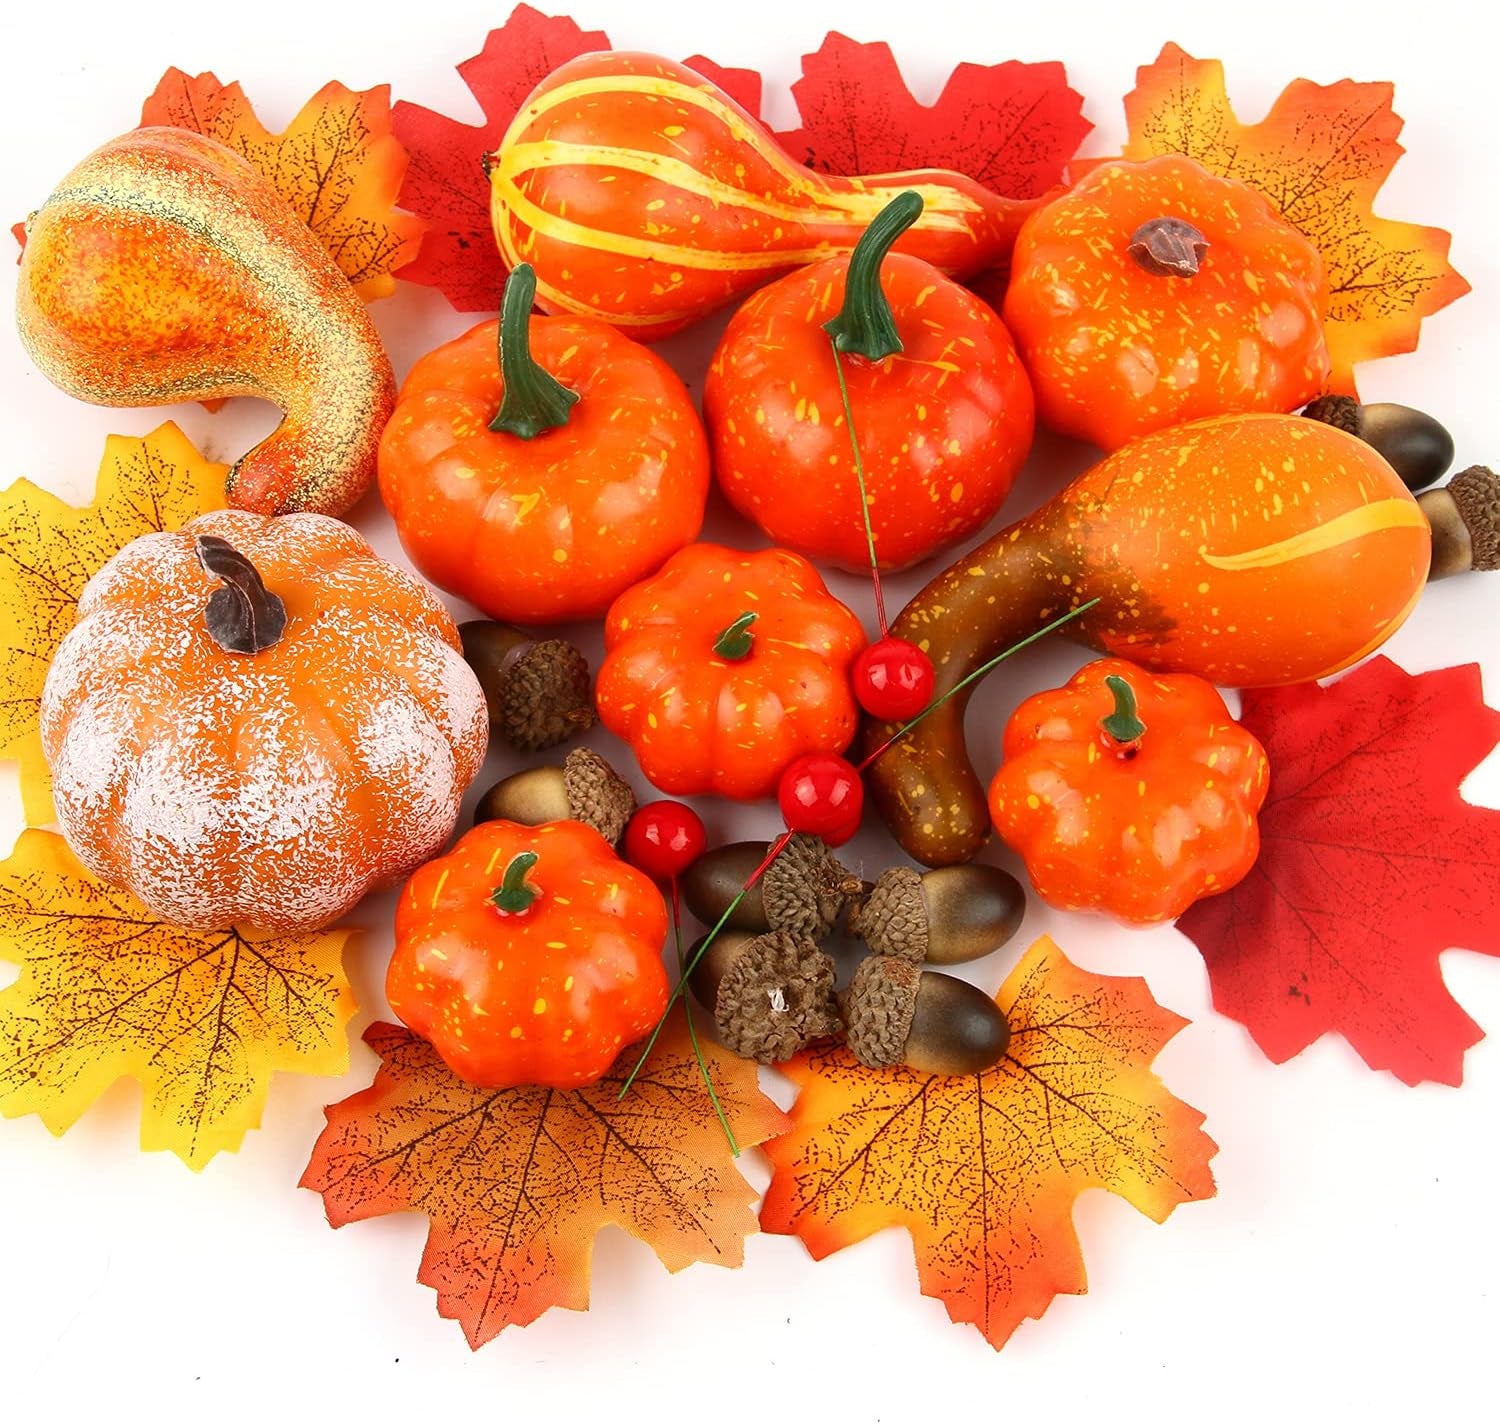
<point x="258" y="721"/>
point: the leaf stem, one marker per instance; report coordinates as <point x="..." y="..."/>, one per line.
<point x="687" y="1013"/>
<point x="864" y="498"/>
<point x="777" y="846"/>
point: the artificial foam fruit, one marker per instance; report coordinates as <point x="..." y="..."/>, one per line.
<point x="166" y="268"/>
<point x="257" y="721"/>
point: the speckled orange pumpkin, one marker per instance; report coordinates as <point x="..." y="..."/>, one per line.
<point x="529" y="954"/>
<point x="166" y="268"/>
<point x="257" y="721"/>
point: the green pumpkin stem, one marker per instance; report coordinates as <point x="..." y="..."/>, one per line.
<point x="736" y="641"/>
<point x="534" y="399"/>
<point x="1122" y="725"/>
<point x="865" y="325"/>
<point x="515" y="893"/>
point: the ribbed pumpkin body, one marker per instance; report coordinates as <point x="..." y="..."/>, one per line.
<point x="645" y="196"/>
<point x="165" y="268"/>
<point x="275" y="788"/>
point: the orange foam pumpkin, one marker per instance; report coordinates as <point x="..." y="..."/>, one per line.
<point x="258" y="721"/>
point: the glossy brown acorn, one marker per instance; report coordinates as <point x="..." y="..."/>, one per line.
<point x="537" y="690"/>
<point x="770" y="994"/>
<point x="804" y="890"/>
<point x="584" y="787"/>
<point x="1415" y="445"/>
<point x="946" y="916"/>
<point x="1465" y="520"/>
<point x="896" y="1013"/>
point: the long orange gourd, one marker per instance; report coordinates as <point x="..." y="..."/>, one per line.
<point x="1248" y="549"/>
<point x="645" y="196"/>
<point x="166" y="268"/>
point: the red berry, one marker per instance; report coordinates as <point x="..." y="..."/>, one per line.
<point x="893" y="679"/>
<point x="664" y="838"/>
<point x="839" y="834"/>
<point x="821" y="795"/>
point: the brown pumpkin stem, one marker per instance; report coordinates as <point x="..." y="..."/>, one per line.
<point x="244" y="616"/>
<point x="1168" y="247"/>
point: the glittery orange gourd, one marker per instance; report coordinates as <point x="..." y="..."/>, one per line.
<point x="165" y="268"/>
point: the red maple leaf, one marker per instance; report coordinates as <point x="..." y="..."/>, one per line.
<point x="446" y="182"/>
<point x="742" y="85"/>
<point x="1371" y="864"/>
<point x="1010" y="126"/>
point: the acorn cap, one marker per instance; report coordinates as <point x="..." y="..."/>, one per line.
<point x="776" y="997"/>
<point x="893" y="918"/>
<point x="805" y="889"/>
<point x="1342" y="412"/>
<point x="597" y="794"/>
<point x="878" y="1008"/>
<point x="546" y="697"/>
<point x="1476" y="492"/>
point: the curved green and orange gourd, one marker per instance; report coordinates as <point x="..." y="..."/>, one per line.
<point x="166" y="268"/>
<point x="1251" y="550"/>
<point x="646" y="197"/>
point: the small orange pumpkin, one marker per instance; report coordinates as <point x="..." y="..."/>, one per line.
<point x="258" y="721"/>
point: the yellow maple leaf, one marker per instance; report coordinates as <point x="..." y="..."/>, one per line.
<point x="516" y="1182"/>
<point x="983" y="1170"/>
<point x="1320" y="156"/>
<point x="337" y="164"/>
<point x="200" y="1018"/>
<point x="49" y="550"/>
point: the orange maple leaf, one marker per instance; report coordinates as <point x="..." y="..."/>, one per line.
<point x="983" y="1170"/>
<point x="337" y="163"/>
<point x="200" y="1018"/>
<point x="517" y="1182"/>
<point x="50" y="549"/>
<point x="1320" y="156"/>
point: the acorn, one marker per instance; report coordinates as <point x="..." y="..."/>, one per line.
<point x="584" y="788"/>
<point x="537" y="691"/>
<point x="1414" y="445"/>
<point x="1465" y="519"/>
<point x="945" y="916"/>
<point x="896" y="1013"/>
<point x="770" y="994"/>
<point x="803" y="891"/>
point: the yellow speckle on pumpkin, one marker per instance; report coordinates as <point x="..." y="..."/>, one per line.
<point x="540" y="1007"/>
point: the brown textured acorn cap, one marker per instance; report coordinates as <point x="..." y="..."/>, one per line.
<point x="597" y="794"/>
<point x="805" y="889"/>
<point x="878" y="1008"/>
<point x="1476" y="492"/>
<point x="776" y="997"/>
<point x="893" y="917"/>
<point x="545" y="697"/>
<point x="1339" y="411"/>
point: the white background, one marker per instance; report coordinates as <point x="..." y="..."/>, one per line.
<point x="1351" y="1263"/>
